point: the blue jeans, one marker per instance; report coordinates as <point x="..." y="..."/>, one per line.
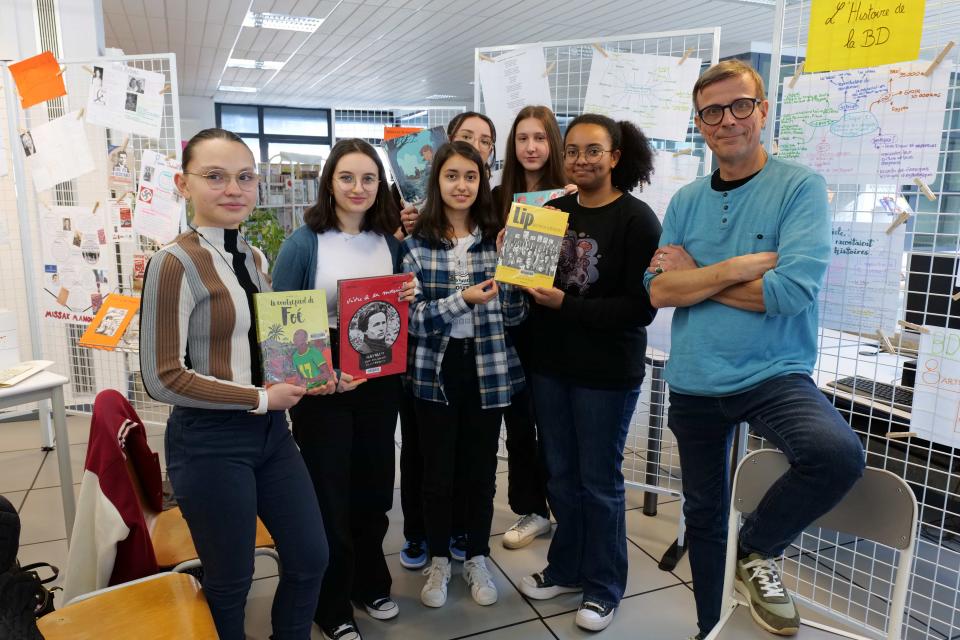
<point x="825" y="456"/>
<point x="583" y="433"/>
<point x="228" y="467"/>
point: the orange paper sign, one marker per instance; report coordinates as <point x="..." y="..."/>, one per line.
<point x="38" y="79"/>
<point x="389" y="133"/>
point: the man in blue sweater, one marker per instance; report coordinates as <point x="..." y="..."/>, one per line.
<point x="742" y="257"/>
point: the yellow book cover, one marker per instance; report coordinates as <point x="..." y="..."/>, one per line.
<point x="294" y="336"/>
<point x="531" y="245"/>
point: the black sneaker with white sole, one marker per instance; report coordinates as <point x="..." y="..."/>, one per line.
<point x="594" y="616"/>
<point x="345" y="631"/>
<point x="382" y="608"/>
<point x="539" y="587"/>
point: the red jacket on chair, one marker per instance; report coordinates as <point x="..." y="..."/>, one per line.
<point x="110" y="542"/>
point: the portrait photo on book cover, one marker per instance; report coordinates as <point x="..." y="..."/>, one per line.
<point x="373" y="329"/>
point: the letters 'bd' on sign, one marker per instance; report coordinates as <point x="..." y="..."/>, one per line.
<point x="850" y="34"/>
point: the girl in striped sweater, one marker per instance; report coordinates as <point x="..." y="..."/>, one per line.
<point x="230" y="455"/>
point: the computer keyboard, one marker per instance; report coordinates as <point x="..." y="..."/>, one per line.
<point x="870" y="389"/>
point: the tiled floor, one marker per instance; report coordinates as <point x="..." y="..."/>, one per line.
<point x="658" y="605"/>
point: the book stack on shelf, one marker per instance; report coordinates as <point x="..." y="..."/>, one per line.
<point x="288" y="190"/>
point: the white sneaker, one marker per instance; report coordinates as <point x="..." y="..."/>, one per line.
<point x="525" y="530"/>
<point x="594" y="616"/>
<point x="477" y="575"/>
<point x="434" y="592"/>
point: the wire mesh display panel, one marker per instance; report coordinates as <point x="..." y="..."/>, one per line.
<point x="59" y="329"/>
<point x="876" y="317"/>
<point x="650" y="458"/>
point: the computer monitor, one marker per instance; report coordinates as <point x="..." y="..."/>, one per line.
<point x="931" y="284"/>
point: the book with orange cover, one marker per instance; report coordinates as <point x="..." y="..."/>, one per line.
<point x="108" y="326"/>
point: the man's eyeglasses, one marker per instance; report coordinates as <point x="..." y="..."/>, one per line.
<point x="591" y="155"/>
<point x="218" y="180"/>
<point x="367" y="182"/>
<point x="741" y="108"/>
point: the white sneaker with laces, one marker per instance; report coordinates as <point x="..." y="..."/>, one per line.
<point x="434" y="592"/>
<point x="477" y="575"/>
<point x="525" y="530"/>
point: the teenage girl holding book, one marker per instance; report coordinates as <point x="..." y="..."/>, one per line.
<point x="346" y="439"/>
<point x="464" y="370"/>
<point x="587" y="362"/>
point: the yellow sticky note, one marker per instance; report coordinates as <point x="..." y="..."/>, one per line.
<point x="849" y="34"/>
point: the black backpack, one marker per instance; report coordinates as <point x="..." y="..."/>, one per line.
<point x="23" y="598"/>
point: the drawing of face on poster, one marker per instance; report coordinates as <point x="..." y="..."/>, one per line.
<point x="135" y="84"/>
<point x="120" y="166"/>
<point x="131" y="102"/>
<point x="29" y="148"/>
<point x="374" y="327"/>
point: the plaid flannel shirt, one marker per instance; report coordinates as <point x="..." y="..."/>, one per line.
<point x="438" y="303"/>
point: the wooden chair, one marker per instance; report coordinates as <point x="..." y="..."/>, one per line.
<point x="880" y="507"/>
<point x="172" y="543"/>
<point x="158" y="607"/>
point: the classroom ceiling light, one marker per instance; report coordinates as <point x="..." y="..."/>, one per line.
<point x="282" y="21"/>
<point x="440" y="96"/>
<point x="411" y="116"/>
<point x="244" y="63"/>
<point x="224" y="87"/>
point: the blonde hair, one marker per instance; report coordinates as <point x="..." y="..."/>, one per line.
<point x="725" y="70"/>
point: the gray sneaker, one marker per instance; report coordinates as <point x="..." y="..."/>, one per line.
<point x="770" y="604"/>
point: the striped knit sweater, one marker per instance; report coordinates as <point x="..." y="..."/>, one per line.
<point x="194" y="319"/>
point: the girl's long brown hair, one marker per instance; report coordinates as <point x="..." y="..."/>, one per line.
<point x="432" y="223"/>
<point x="514" y="176"/>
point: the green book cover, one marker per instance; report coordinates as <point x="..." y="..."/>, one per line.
<point x="294" y="336"/>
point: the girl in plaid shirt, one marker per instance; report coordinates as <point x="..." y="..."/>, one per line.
<point x="464" y="369"/>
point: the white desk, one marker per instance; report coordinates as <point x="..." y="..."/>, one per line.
<point x="842" y="355"/>
<point x="49" y="386"/>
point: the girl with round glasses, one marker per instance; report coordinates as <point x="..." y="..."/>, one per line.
<point x="229" y="453"/>
<point x="587" y="351"/>
<point x="346" y="438"/>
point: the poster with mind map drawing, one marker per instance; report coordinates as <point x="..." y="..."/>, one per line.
<point x="874" y="125"/>
<point x="653" y="92"/>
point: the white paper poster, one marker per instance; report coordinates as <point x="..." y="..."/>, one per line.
<point x="126" y="99"/>
<point x="936" y="394"/>
<point x="651" y="91"/>
<point x="159" y="205"/>
<point x="874" y="125"/>
<point x="862" y="286"/>
<point x="57" y="151"/>
<point x="510" y="83"/>
<point x="79" y="262"/>
<point x="670" y="173"/>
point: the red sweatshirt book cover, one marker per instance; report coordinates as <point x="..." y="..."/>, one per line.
<point x="373" y="326"/>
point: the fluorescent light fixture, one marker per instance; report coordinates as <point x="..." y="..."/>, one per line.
<point x="440" y="96"/>
<point x="282" y="21"/>
<point x="224" y="87"/>
<point x="243" y="63"/>
<point x="413" y="115"/>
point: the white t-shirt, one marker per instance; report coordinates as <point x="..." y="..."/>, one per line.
<point x="341" y="256"/>
<point x="462" y="325"/>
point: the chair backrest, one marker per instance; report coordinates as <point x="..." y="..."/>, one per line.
<point x="879" y="507"/>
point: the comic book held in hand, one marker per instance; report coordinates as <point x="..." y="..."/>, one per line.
<point x="531" y="246"/>
<point x="373" y="326"/>
<point x="108" y="326"/>
<point x="294" y="336"/>
<point x="538" y="198"/>
<point x="410" y="158"/>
